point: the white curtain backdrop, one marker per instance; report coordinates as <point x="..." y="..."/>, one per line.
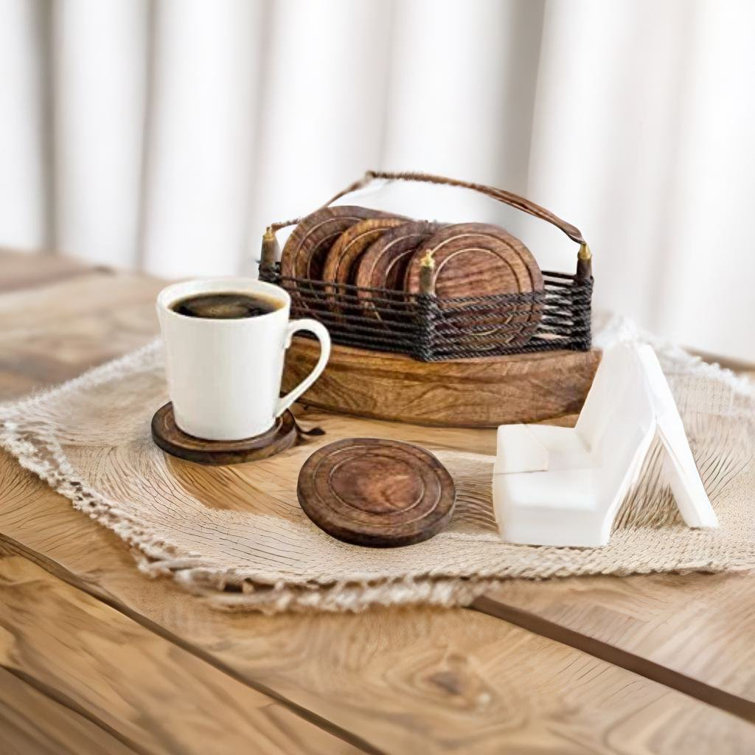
<point x="165" y="134"/>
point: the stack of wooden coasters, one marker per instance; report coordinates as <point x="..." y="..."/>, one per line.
<point x="356" y="246"/>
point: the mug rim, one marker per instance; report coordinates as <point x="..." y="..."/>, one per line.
<point x="172" y="292"/>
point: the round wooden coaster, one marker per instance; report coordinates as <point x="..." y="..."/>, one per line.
<point x="478" y="259"/>
<point x="385" y="262"/>
<point x="304" y="253"/>
<point x="380" y="493"/>
<point x="340" y="262"/>
<point x="176" y="442"/>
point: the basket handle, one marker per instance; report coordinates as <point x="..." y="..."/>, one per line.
<point x="506" y="197"/>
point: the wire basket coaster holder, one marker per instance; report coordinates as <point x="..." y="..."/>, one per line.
<point x="435" y="324"/>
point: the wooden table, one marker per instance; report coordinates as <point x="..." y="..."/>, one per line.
<point x="98" y="658"/>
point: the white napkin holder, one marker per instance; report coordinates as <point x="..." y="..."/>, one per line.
<point x="564" y="486"/>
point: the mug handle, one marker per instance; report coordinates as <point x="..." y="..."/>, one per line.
<point x="324" y="338"/>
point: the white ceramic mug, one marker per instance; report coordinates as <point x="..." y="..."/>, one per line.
<point x="224" y="376"/>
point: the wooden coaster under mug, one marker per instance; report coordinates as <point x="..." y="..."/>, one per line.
<point x="375" y="492"/>
<point x="168" y="436"/>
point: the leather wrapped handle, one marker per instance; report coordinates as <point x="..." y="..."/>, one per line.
<point x="506" y="197"/>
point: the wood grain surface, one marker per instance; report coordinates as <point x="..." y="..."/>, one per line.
<point x="139" y="687"/>
<point x="698" y="625"/>
<point x="478" y="392"/>
<point x="67" y="730"/>
<point x="413" y="676"/>
<point x="388" y="680"/>
<point x="376" y="492"/>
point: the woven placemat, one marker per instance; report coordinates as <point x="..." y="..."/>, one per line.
<point x="90" y="440"/>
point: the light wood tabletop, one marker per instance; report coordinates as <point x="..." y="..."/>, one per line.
<point x="96" y="657"/>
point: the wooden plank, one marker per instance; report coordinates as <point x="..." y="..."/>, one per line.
<point x="150" y="694"/>
<point x="57" y="331"/>
<point x="32" y="722"/>
<point x="698" y="625"/>
<point x="20" y="270"/>
<point x="396" y="679"/>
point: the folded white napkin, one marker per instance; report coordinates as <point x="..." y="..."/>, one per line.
<point x="564" y="486"/>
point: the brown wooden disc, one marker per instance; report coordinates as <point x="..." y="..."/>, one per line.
<point x="351" y="244"/>
<point x="375" y="492"/>
<point x="478" y="259"/>
<point x="168" y="436"/>
<point x="385" y="262"/>
<point x="340" y="262"/>
<point x="304" y="253"/>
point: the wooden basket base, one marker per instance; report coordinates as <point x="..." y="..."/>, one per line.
<point x="481" y="392"/>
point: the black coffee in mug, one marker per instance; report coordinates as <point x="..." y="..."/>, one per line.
<point x="225" y="305"/>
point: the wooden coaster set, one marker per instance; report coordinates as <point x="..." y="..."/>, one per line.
<point x="348" y="246"/>
<point x="447" y="324"/>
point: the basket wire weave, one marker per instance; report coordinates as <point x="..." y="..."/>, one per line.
<point x="432" y="328"/>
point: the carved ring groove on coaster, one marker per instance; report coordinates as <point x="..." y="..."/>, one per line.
<point x="375" y="492"/>
<point x="168" y="436"/>
<point x="305" y="251"/>
<point x="340" y="262"/>
<point x="384" y="264"/>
